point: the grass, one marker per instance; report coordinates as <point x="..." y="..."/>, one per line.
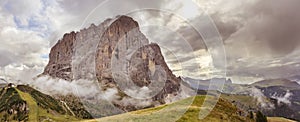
<point x="10" y="100"/>
<point x="43" y="100"/>
<point x="76" y="105"/>
<point x="33" y="108"/>
<point x="186" y="110"/>
<point x="37" y="113"/>
<point x="244" y="99"/>
<point x="279" y="119"/>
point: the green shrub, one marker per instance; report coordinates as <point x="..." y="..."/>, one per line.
<point x="260" y="117"/>
<point x="251" y="116"/>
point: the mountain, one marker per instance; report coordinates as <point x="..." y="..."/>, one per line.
<point x="294" y="78"/>
<point x="123" y="43"/>
<point x="205" y="84"/>
<point x="277" y="82"/>
<point x="113" y="53"/>
<point x="269" y="106"/>
<point x="228" y="87"/>
<point x="274" y="97"/>
<point x="23" y="103"/>
<point x="284" y="94"/>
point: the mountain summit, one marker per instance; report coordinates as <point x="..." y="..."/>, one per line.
<point x="118" y="55"/>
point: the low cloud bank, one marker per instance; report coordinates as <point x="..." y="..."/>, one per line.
<point x="90" y="91"/>
<point x="285" y="99"/>
<point x="261" y="99"/>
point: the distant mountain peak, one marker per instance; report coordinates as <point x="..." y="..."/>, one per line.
<point x="277" y="82"/>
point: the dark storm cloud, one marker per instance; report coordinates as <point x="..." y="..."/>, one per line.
<point x="267" y="32"/>
<point x="273" y="24"/>
<point x="281" y="27"/>
<point x="193" y="37"/>
<point x="255" y="33"/>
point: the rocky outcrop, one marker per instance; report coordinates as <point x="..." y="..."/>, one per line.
<point x="61" y="57"/>
<point x="122" y="54"/>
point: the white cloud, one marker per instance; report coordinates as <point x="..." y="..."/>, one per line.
<point x="261" y="99"/>
<point x="255" y="33"/>
<point x="283" y="99"/>
<point x="29" y="28"/>
<point x="22" y="10"/>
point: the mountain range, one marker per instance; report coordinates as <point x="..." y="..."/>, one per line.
<point x="274" y="97"/>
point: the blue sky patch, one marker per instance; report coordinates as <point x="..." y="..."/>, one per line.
<point x="45" y="56"/>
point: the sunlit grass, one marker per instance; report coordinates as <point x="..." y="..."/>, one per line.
<point x="37" y="113"/>
<point x="279" y="119"/>
<point x="186" y="110"/>
<point x="33" y="108"/>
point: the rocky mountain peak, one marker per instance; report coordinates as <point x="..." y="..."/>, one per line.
<point x="121" y="53"/>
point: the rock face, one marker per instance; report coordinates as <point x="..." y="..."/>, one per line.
<point x="122" y="54"/>
<point x="61" y="57"/>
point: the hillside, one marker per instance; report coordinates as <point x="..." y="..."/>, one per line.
<point x="279" y="119"/>
<point x="269" y="106"/>
<point x="223" y="111"/>
<point x="23" y="103"/>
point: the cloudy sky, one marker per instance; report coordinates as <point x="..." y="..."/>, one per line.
<point x="261" y="37"/>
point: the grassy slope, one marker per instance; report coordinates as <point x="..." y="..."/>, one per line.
<point x="279" y="119"/>
<point x="33" y="108"/>
<point x="38" y="113"/>
<point x="9" y="99"/>
<point x="250" y="101"/>
<point x="244" y="99"/>
<point x="223" y="111"/>
<point x="43" y="100"/>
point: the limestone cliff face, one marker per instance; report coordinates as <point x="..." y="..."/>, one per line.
<point x="122" y="53"/>
<point x="61" y="57"/>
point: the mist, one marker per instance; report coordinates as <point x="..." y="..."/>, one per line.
<point x="285" y="99"/>
<point x="90" y="92"/>
<point x="261" y="99"/>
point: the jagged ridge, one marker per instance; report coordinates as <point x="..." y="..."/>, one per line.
<point x="123" y="30"/>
